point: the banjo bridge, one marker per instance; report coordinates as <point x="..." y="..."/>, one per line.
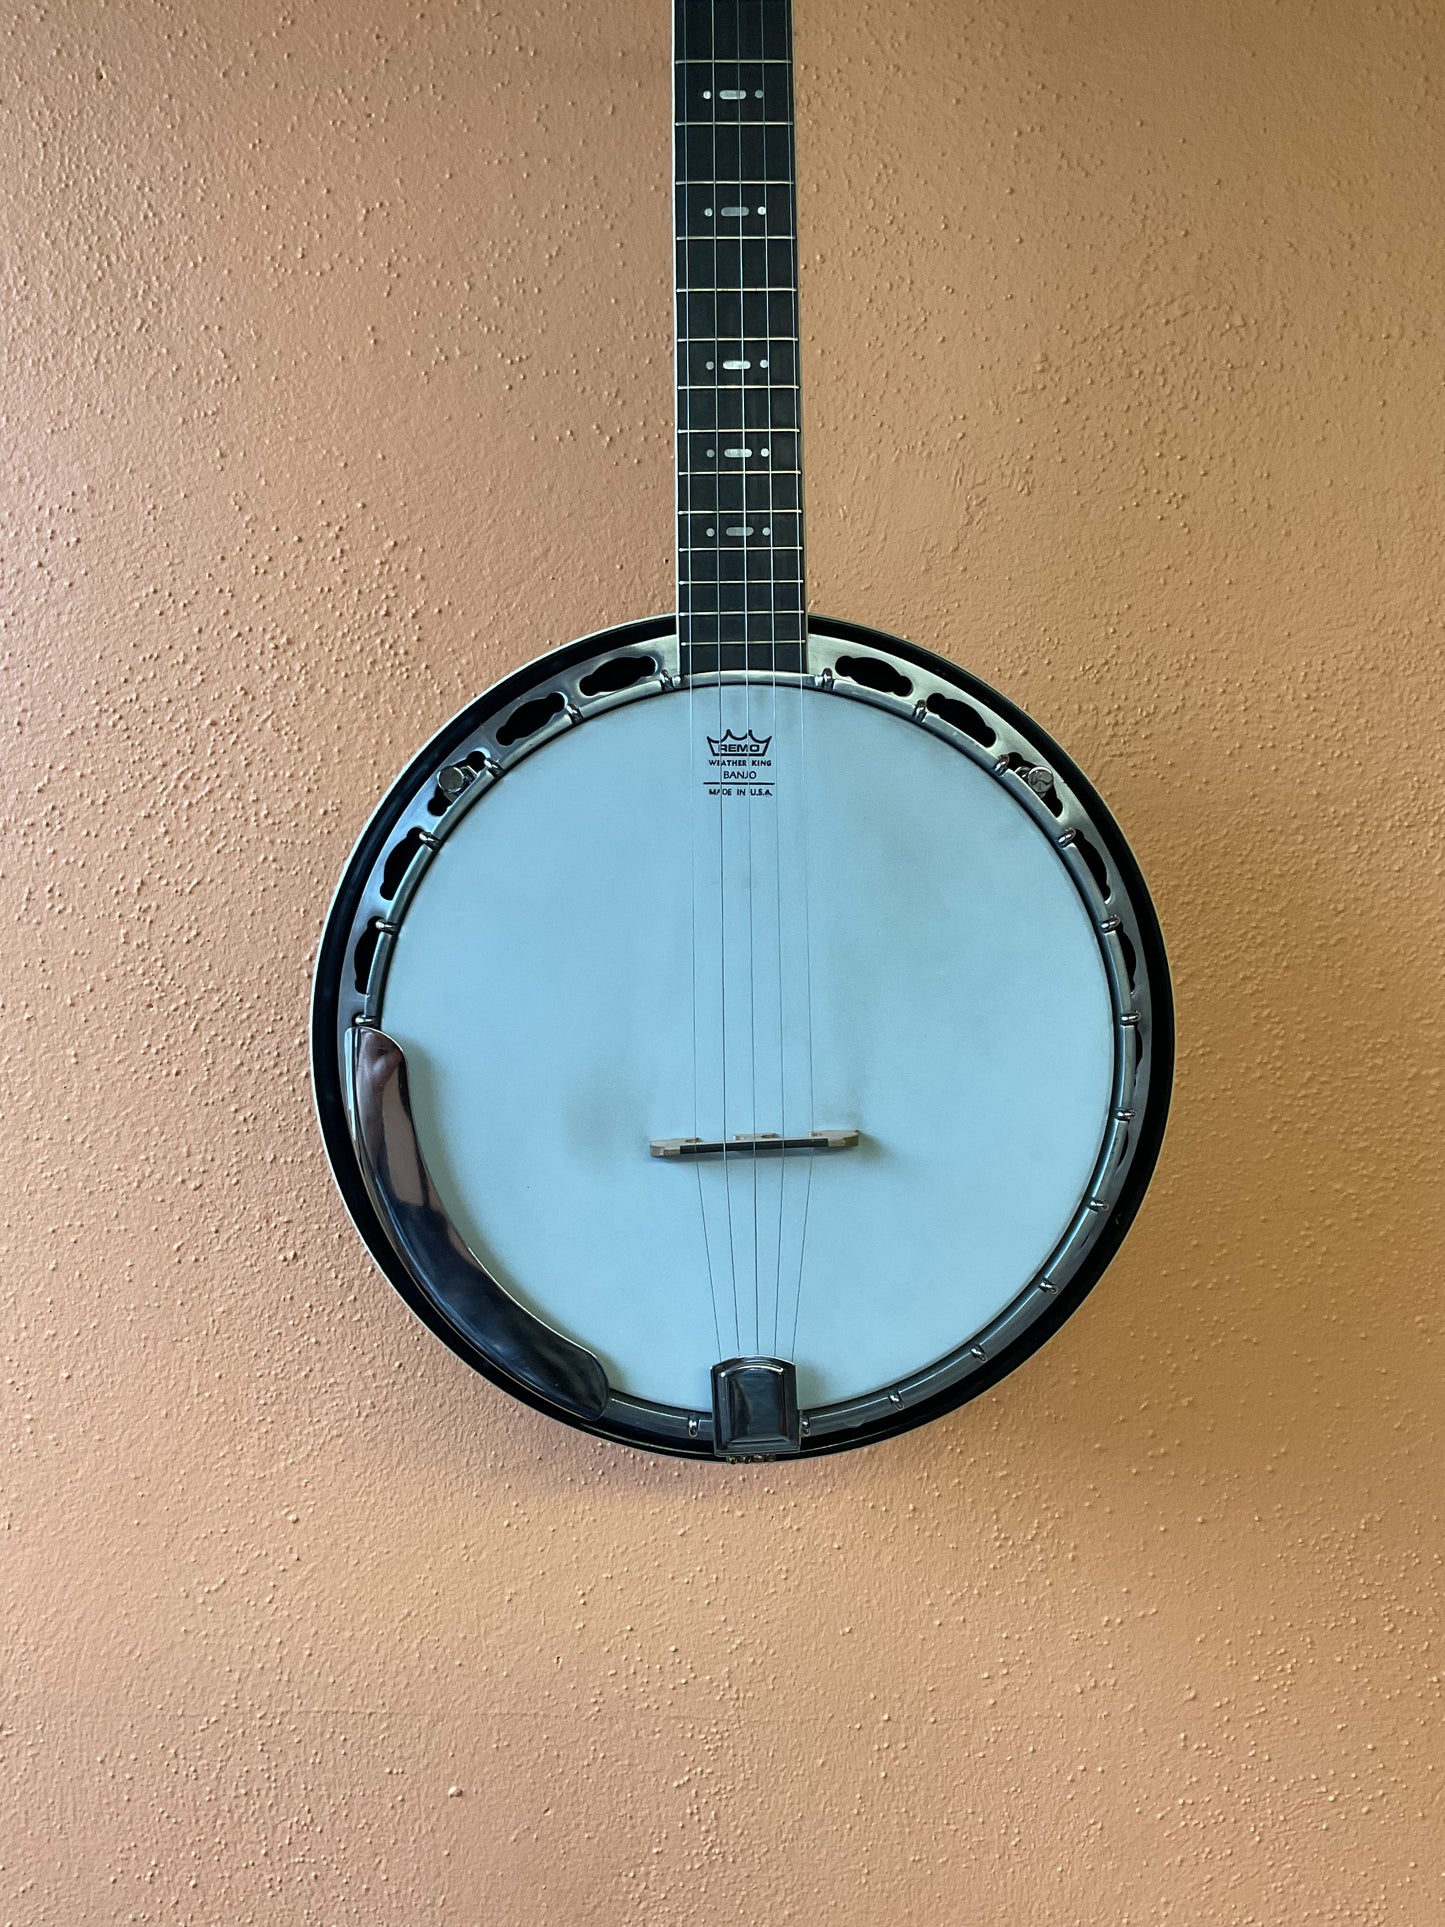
<point x="750" y="1144"/>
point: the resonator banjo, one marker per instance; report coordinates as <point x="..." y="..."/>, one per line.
<point x="741" y="1033"/>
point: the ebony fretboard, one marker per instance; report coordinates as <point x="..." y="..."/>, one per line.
<point x="739" y="455"/>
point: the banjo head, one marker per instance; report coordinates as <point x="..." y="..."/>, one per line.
<point x="811" y="1022"/>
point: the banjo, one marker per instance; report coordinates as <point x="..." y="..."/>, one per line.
<point x="741" y="1034"/>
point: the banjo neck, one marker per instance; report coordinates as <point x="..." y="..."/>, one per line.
<point x="741" y="584"/>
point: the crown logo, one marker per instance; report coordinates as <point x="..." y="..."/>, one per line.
<point x="732" y="746"/>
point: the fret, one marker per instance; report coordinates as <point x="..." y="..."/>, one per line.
<point x="704" y="596"/>
<point x="725" y="284"/>
<point x="738" y="486"/>
<point x="729" y="579"/>
<point x="706" y="659"/>
<point x="701" y="448"/>
<point x="741" y="151"/>
<point x="755" y="261"/>
<point x="743" y="594"/>
<point x="745" y="625"/>
<point x="722" y="486"/>
<point x="761" y="635"/>
<point x="764" y="632"/>
<point x="727" y="347"/>
<point x="741" y="624"/>
<point x="710" y="529"/>
<point x="727" y="410"/>
<point x="706" y="532"/>
<point x="724" y="207"/>
<point x="711" y="451"/>
<point x="704" y="360"/>
<point x="725" y="314"/>
<point x="764" y="628"/>
<point x="761" y="471"/>
<point x="761" y="493"/>
<point x="761" y="631"/>
<point x="739" y="493"/>
<point x="777" y="569"/>
<point x="737" y="568"/>
<point x="759" y="618"/>
<point x="738" y="388"/>
<point x="736" y="376"/>
<point x="735" y="94"/>
<point x="759" y="418"/>
<point x="761" y="533"/>
<point x="748" y="30"/>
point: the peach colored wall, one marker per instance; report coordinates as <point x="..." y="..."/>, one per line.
<point x="336" y="381"/>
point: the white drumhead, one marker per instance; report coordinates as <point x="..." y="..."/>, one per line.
<point x="865" y="931"/>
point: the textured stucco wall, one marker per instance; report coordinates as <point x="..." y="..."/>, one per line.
<point x="335" y="381"/>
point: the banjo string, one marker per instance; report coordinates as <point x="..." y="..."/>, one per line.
<point x="770" y="533"/>
<point x="811" y="1121"/>
<point x="727" y="1163"/>
<point x="686" y="511"/>
<point x="749" y="800"/>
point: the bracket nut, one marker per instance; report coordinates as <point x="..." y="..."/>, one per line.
<point x="452" y="780"/>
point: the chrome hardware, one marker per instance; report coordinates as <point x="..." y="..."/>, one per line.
<point x="756" y="1144"/>
<point x="455" y="778"/>
<point x="755" y="1408"/>
<point x="434" y="1251"/>
<point x="1040" y="779"/>
<point x="1066" y="837"/>
<point x="825" y="680"/>
<point x="570" y="710"/>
